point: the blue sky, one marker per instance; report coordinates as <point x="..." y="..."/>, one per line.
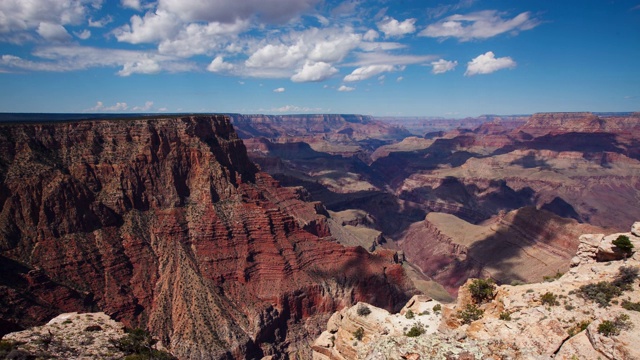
<point x="385" y="58"/>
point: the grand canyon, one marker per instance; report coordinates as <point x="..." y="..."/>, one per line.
<point x="239" y="236"/>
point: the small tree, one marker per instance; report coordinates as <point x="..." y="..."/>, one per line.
<point x="363" y="310"/>
<point x="481" y="290"/>
<point x="416" y="330"/>
<point x="549" y="298"/>
<point x="623" y="243"/>
<point x="470" y="314"/>
<point x="358" y="334"/>
<point x="409" y="314"/>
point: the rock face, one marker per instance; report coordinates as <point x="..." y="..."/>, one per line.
<point x="549" y="320"/>
<point x="166" y="224"/>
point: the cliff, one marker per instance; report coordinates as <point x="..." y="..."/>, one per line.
<point x="165" y="224"/>
<point x="590" y="312"/>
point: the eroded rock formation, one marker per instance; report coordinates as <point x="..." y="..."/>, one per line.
<point x="166" y="224"/>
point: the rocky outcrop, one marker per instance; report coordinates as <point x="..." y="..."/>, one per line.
<point x="69" y="336"/>
<point x="165" y="224"/>
<point x="548" y="320"/>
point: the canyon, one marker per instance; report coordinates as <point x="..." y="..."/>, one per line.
<point x="165" y="224"/>
<point x="238" y="236"/>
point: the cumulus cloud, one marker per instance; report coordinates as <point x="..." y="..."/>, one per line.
<point x="442" y="66"/>
<point x="366" y="72"/>
<point x="279" y="90"/>
<point x="394" y="28"/>
<point x="272" y="11"/>
<point x="119" y="106"/>
<point x="479" y="25"/>
<point x="488" y="63"/>
<point x="150" y="28"/>
<point x="345" y="88"/>
<point x="400" y="78"/>
<point x="377" y="58"/>
<point x="100" y="22"/>
<point x="146" y="107"/>
<point x="314" y="72"/>
<point x="198" y="39"/>
<point x="145" y="66"/>
<point x="53" y="32"/>
<point x="370" y="35"/>
<point x="133" y="4"/>
<point x="84" y="34"/>
<point x="20" y="15"/>
<point x="218" y="65"/>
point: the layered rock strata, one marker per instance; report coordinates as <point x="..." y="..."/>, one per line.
<point x="166" y="224"/>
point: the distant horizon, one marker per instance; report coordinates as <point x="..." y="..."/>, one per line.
<point x="445" y="58"/>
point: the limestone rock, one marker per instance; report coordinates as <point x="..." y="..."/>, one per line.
<point x="635" y="229"/>
<point x="608" y="252"/>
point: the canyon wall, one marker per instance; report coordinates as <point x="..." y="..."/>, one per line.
<point x="165" y="224"/>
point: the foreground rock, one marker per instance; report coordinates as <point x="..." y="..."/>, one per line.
<point x="165" y="224"/>
<point x="548" y="320"/>
<point x="69" y="336"/>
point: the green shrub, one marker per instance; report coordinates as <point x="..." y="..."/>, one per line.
<point x="409" y="314"/>
<point x="553" y="278"/>
<point x="505" y="316"/>
<point x="437" y="307"/>
<point x="481" y="290"/>
<point x="138" y="344"/>
<point x="470" y="314"/>
<point x="632" y="306"/>
<point x="363" y="310"/>
<point x="416" y="330"/>
<point x="627" y="275"/>
<point x="613" y="328"/>
<point x="358" y="334"/>
<point x="600" y="293"/>
<point x="623" y="243"/>
<point x="549" y="298"/>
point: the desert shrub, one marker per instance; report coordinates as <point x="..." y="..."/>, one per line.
<point x="437" y="307"/>
<point x="138" y="344"/>
<point x="505" y="316"/>
<point x="627" y="275"/>
<point x="470" y="314"/>
<point x="481" y="290"/>
<point x="612" y="328"/>
<point x="517" y="283"/>
<point x="358" y="334"/>
<point x="623" y="243"/>
<point x="409" y="314"/>
<point x="363" y="310"/>
<point x="600" y="293"/>
<point x="633" y="306"/>
<point x="6" y="346"/>
<point x="549" y="298"/>
<point x="416" y="330"/>
<point x="555" y="277"/>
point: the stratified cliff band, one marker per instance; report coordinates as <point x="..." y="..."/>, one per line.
<point x="167" y="225"/>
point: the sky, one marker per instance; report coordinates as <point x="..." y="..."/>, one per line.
<point x="378" y="57"/>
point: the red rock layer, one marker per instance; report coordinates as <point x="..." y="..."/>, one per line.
<point x="166" y="224"/>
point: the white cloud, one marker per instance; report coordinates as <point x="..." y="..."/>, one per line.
<point x="218" y="65"/>
<point x="133" y="4"/>
<point x="279" y="90"/>
<point x="21" y="15"/>
<point x="101" y="22"/>
<point x="394" y="28"/>
<point x="151" y="28"/>
<point x="366" y="72"/>
<point x="370" y="35"/>
<point x="400" y="78"/>
<point x="381" y="46"/>
<point x="53" y="32"/>
<point x="84" y="34"/>
<point x="294" y="108"/>
<point x="314" y="72"/>
<point x="70" y="58"/>
<point x="197" y="39"/>
<point x="344" y="88"/>
<point x="119" y="106"/>
<point x="145" y="66"/>
<point x="479" y="25"/>
<point x="377" y="58"/>
<point x="488" y="63"/>
<point x="442" y="66"/>
<point x="272" y="11"/>
<point x="146" y="107"/>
